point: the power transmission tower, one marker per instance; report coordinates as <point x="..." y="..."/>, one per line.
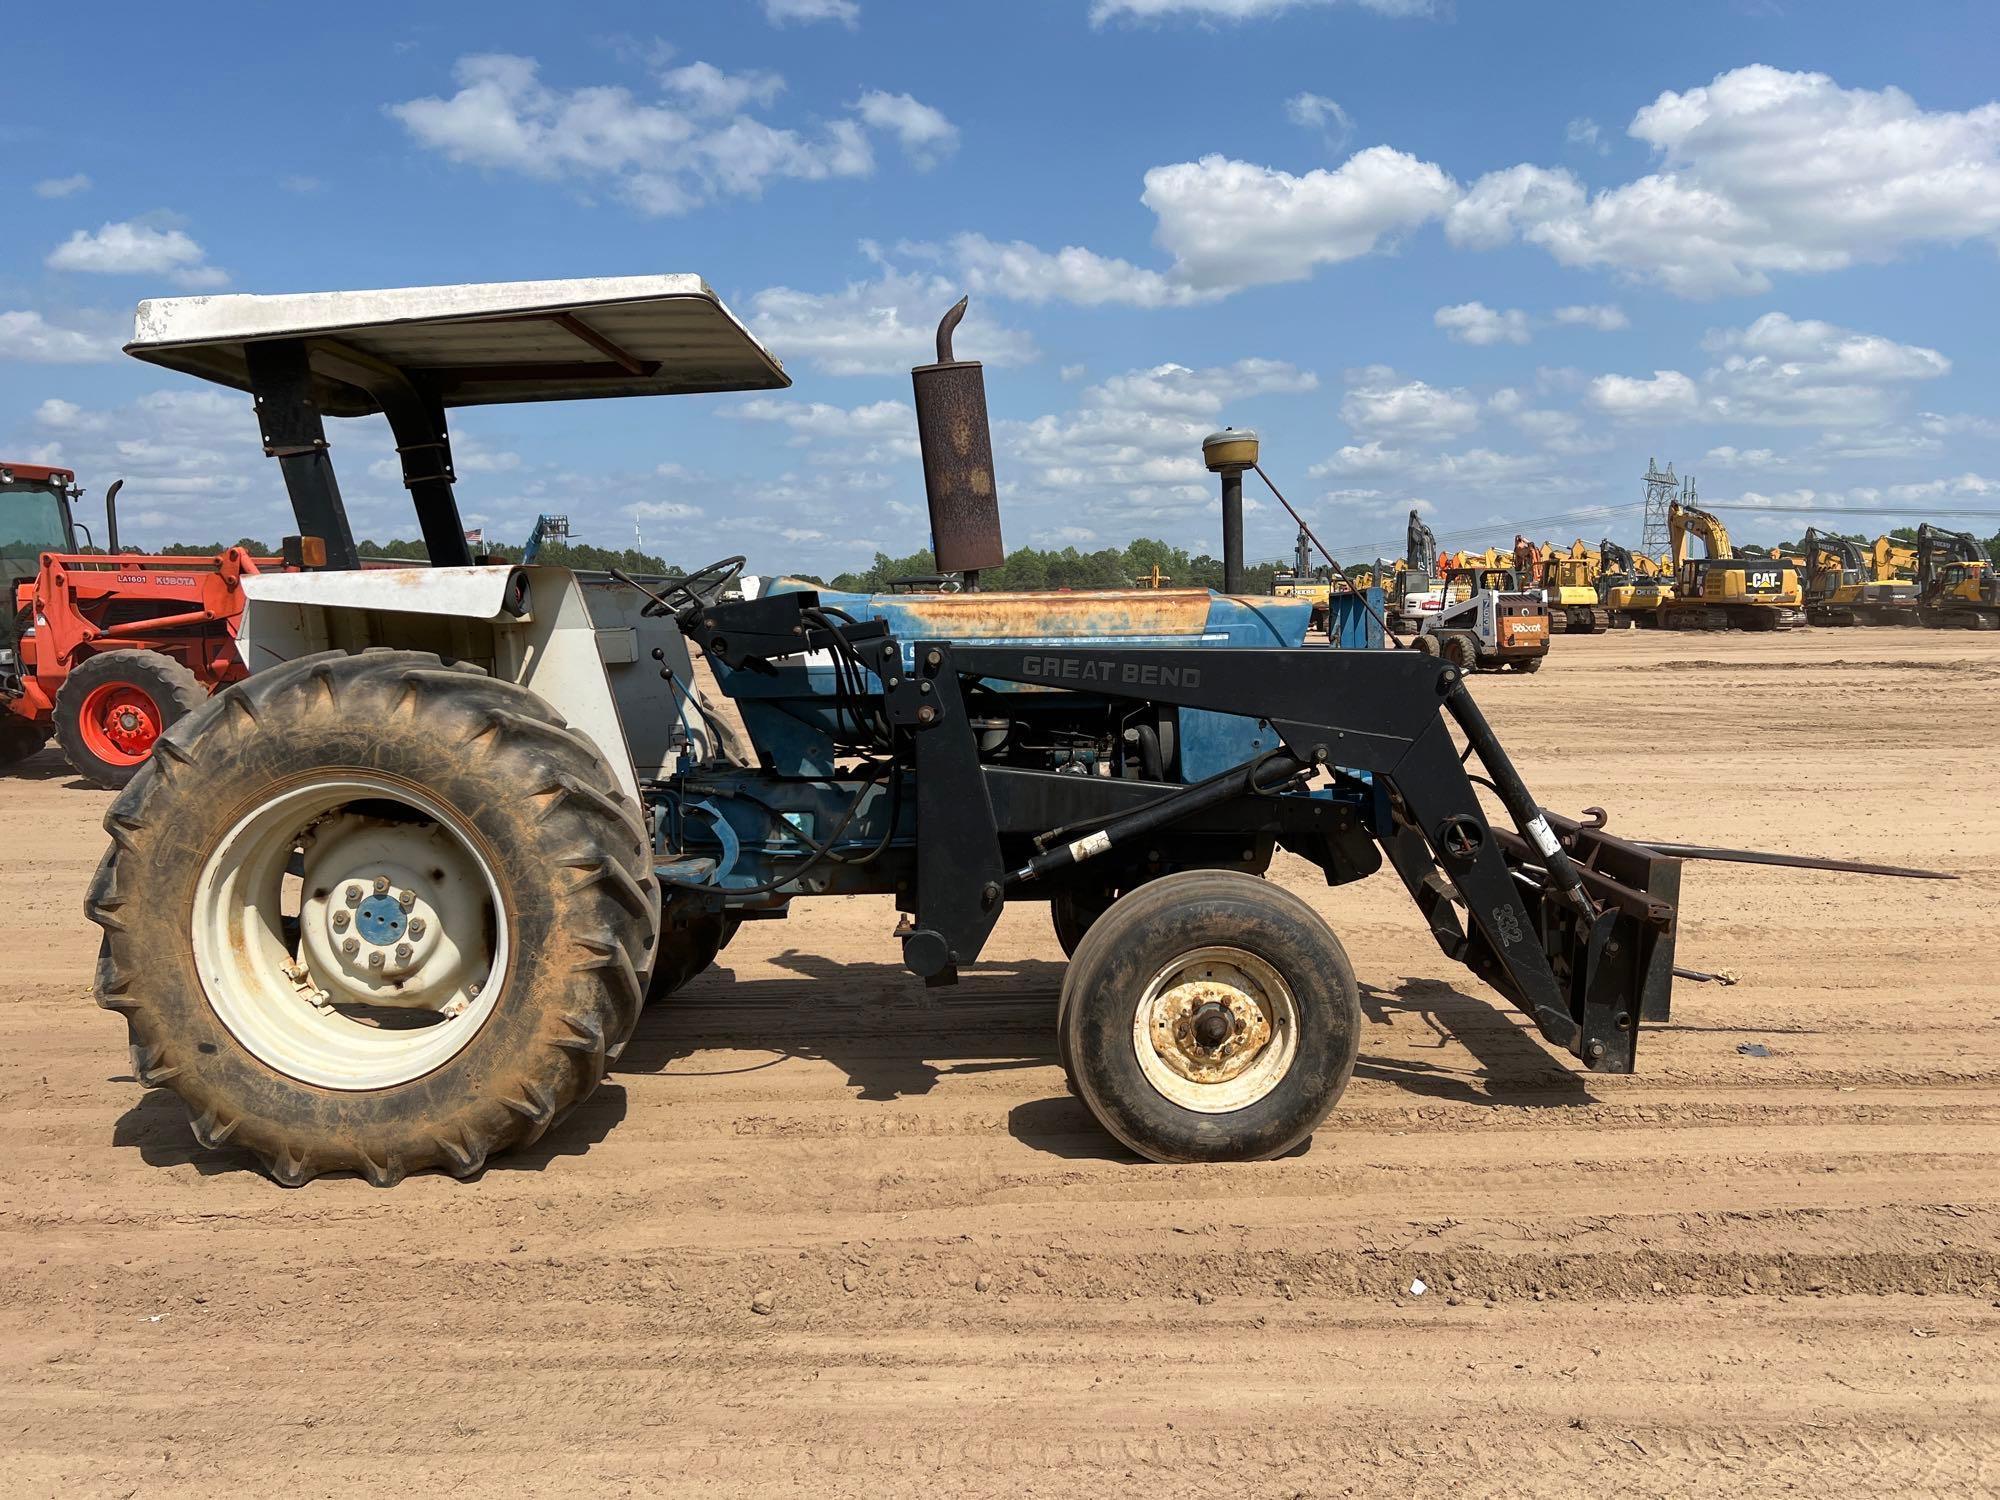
<point x="1662" y="489"/>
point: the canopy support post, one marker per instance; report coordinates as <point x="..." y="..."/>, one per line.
<point x="289" y="419"/>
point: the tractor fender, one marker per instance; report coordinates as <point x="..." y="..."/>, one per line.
<point x="529" y="625"/>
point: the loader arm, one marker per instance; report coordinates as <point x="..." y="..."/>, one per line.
<point x="1584" y="970"/>
<point x="1571" y="927"/>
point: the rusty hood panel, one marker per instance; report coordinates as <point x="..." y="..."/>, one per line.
<point x="1112" y="612"/>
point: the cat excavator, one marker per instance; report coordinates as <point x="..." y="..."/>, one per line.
<point x="1844" y="585"/>
<point x="1630" y="586"/>
<point x="1956" y="581"/>
<point x="1721" y="590"/>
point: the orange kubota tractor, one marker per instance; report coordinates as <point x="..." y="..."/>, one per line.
<point x="103" y="650"/>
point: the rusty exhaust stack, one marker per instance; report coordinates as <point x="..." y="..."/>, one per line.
<point x="958" y="459"/>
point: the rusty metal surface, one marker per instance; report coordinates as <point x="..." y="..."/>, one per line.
<point x="1011" y="616"/>
<point x="958" y="466"/>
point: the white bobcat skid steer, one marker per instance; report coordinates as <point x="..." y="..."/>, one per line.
<point x="1487" y="623"/>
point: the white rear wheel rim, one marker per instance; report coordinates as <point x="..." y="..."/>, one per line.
<point x="1264" y="1030"/>
<point x="401" y="945"/>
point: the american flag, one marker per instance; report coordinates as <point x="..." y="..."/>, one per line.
<point x="477" y="534"/>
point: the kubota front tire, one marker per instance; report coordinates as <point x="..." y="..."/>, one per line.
<point x="376" y="914"/>
<point x="115" y="705"/>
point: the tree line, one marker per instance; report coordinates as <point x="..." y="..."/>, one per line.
<point x="1025" y="568"/>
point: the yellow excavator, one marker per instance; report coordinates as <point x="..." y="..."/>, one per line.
<point x="1631" y="586"/>
<point x="1722" y="591"/>
<point x="1568" y="581"/>
<point x="1300" y="583"/>
<point x="1895" y="560"/>
<point x="1956" y="581"/>
<point x="1844" y="585"/>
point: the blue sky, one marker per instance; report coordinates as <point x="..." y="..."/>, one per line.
<point x="1482" y="258"/>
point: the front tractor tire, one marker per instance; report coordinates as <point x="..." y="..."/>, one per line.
<point x="113" y="708"/>
<point x="1209" y="1016"/>
<point x="375" y="914"/>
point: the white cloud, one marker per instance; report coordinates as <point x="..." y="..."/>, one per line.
<point x="1628" y="398"/>
<point x="1603" y="318"/>
<point x="1761" y="172"/>
<point x="1378" y="402"/>
<point x="705" y="89"/>
<point x="1585" y="132"/>
<point x="849" y="440"/>
<point x="1023" y="273"/>
<point x="925" y="134"/>
<point x="879" y="327"/>
<point x="33" y="339"/>
<point x="1128" y="455"/>
<point x="133" y="248"/>
<point x="62" y="187"/>
<point x="663" y="158"/>
<point x="1102" y="11"/>
<point x="1231" y="224"/>
<point x="783" y="12"/>
<point x="1729" y="457"/>
<point x="1495" y="208"/>
<point x="58" y="415"/>
<point x="1476" y="323"/>
<point x="662" y="510"/>
<point x="1783" y="370"/>
<point x="302" y="185"/>
<point x="1317" y="112"/>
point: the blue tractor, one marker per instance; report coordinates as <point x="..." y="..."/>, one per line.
<point x="396" y="902"/>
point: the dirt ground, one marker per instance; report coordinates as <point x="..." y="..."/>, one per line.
<point x="1744" y="1273"/>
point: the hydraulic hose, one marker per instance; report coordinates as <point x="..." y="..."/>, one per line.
<point x="1514" y="795"/>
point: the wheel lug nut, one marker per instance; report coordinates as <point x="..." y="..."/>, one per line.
<point x="375" y="959"/>
<point x="402" y="953"/>
<point x="349" y="948"/>
<point x="416" y="927"/>
<point x="353" y="895"/>
<point x="340" y="921"/>
<point x="406" y="899"/>
<point x="381" y="885"/>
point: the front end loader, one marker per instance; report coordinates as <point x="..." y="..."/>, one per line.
<point x="396" y="901"/>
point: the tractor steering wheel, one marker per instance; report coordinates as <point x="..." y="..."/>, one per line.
<point x="690" y="595"/>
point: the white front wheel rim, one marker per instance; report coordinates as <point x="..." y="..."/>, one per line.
<point x="1216" y="987"/>
<point x="389" y="954"/>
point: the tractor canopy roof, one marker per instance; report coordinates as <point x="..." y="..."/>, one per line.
<point x="476" y="344"/>
<point x="33" y="474"/>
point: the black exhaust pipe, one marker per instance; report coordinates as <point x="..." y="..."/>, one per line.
<point x="111" y="516"/>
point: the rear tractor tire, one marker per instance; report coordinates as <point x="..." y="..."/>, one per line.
<point x="1426" y="645"/>
<point x="20" y="738"/>
<point x="115" y="705"/>
<point x="1461" y="651"/>
<point x="374" y="914"/>
<point x="1209" y="1016"/>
